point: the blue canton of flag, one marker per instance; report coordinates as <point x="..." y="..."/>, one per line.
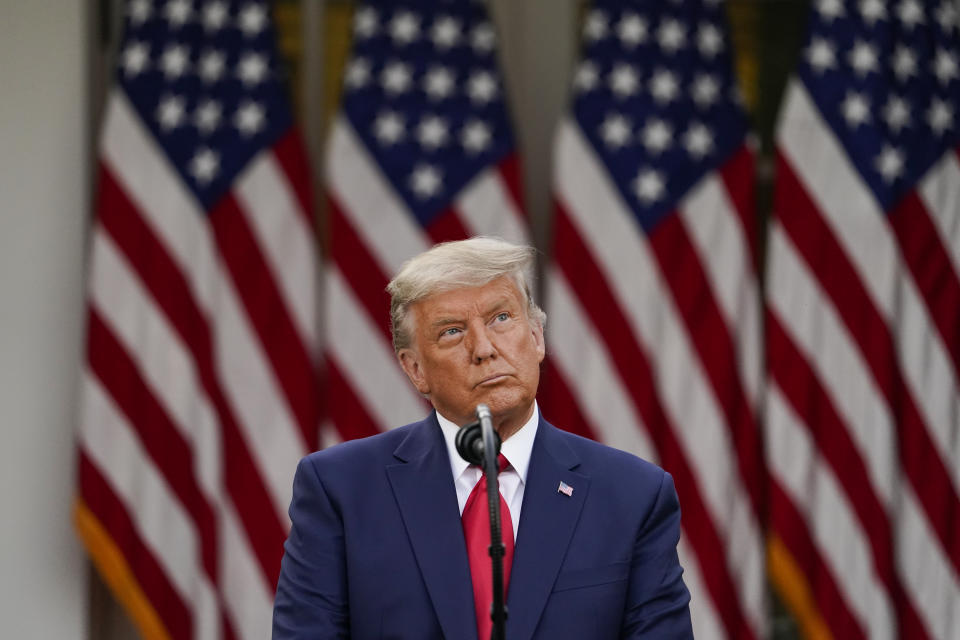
<point x="656" y="96"/>
<point x="205" y="78"/>
<point x="887" y="79"/>
<point x="424" y="93"/>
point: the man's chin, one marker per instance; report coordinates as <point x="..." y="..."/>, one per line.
<point x="508" y="406"/>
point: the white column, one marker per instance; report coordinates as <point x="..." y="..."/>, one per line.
<point x="43" y="220"/>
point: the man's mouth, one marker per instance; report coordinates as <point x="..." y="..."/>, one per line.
<point x="492" y="380"/>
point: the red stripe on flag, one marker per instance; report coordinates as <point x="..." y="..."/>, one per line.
<point x="359" y="268"/>
<point x="161" y="439"/>
<point x="930" y="264"/>
<point x="292" y="156"/>
<point x="791" y="526"/>
<point x="112" y="514"/>
<point x="799" y="384"/>
<point x="557" y="400"/>
<point x="684" y="274"/>
<point x="738" y="176"/>
<point x="347" y="412"/>
<point x="918" y="455"/>
<point x="588" y="282"/>
<point x="447" y="227"/>
<point x="269" y="315"/>
<point x="511" y="172"/>
<point x="157" y="271"/>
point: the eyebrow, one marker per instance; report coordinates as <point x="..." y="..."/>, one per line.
<point x="496" y="304"/>
<point x="444" y="321"/>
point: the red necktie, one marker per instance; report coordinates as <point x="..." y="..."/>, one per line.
<point x="476" y="532"/>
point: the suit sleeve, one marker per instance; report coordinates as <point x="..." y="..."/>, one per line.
<point x="658" y="600"/>
<point x="311" y="597"/>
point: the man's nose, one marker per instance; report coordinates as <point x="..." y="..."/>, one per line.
<point x="482" y="346"/>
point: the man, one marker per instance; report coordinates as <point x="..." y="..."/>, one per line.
<point x="377" y="548"/>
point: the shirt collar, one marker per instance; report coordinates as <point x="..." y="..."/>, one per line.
<point x="517" y="448"/>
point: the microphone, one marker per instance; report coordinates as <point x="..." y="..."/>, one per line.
<point x="470" y="438"/>
<point x="479" y="444"/>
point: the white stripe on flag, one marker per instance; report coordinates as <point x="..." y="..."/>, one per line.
<point x="867" y="239"/>
<point x="329" y="436"/>
<point x="171" y="375"/>
<point x="132" y="156"/>
<point x="366" y="359"/>
<point x="813" y="489"/>
<point x="703" y="614"/>
<point x="249" y="382"/>
<point x="268" y="425"/>
<point x="612" y="239"/>
<point x="812" y="324"/>
<point x="366" y="196"/>
<point x="487" y="208"/>
<point x="606" y="226"/>
<point x="574" y="349"/>
<point x="716" y="232"/>
<point x="159" y="518"/>
<point x="247" y="596"/>
<point x="167" y="368"/>
<point x="940" y="191"/>
<point x="928" y="578"/>
<point x="286" y="240"/>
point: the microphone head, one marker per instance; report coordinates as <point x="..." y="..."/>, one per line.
<point x="483" y="412"/>
<point x="469" y="443"/>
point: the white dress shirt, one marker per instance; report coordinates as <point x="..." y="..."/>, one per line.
<point x="516" y="449"/>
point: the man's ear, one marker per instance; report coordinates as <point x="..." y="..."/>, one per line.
<point x="410" y="361"/>
<point x="537" y="330"/>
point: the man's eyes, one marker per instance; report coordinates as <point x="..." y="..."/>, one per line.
<point x="503" y="316"/>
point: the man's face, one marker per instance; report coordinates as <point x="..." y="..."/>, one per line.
<point x="476" y="345"/>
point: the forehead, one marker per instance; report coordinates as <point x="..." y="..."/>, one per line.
<point x="501" y="291"/>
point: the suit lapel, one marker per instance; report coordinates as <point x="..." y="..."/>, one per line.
<point x="547" y="521"/>
<point x="423" y="488"/>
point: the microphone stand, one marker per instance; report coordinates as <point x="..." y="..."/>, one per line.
<point x="478" y="443"/>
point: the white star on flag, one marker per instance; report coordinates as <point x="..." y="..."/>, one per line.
<point x="445" y="33"/>
<point x="214" y="16"/>
<point x="205" y="165"/>
<point x="177" y="13"/>
<point x="404" y="28"/>
<point x="212" y="65"/>
<point x="426" y="181"/>
<point x="475" y="137"/>
<point x="250" y="118"/>
<point x="171" y="112"/>
<point x="252" y="69"/>
<point x="174" y="61"/>
<point x="252" y="19"/>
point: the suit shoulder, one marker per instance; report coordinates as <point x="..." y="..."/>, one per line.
<point x="599" y="457"/>
<point x="362" y="450"/>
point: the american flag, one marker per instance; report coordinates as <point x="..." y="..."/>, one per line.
<point x="863" y="325"/>
<point x="652" y="297"/>
<point x="421" y="152"/>
<point x="199" y="393"/>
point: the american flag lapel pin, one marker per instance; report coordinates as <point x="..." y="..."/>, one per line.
<point x="565" y="489"/>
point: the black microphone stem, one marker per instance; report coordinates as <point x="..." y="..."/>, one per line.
<point x="479" y="444"/>
<point x="491" y="469"/>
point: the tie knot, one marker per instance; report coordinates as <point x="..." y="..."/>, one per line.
<point x="502" y="464"/>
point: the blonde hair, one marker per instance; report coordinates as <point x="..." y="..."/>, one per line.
<point x="453" y="265"/>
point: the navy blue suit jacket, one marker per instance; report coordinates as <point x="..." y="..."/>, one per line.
<point x="376" y="549"/>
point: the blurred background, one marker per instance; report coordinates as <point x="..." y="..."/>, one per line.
<point x="805" y="400"/>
